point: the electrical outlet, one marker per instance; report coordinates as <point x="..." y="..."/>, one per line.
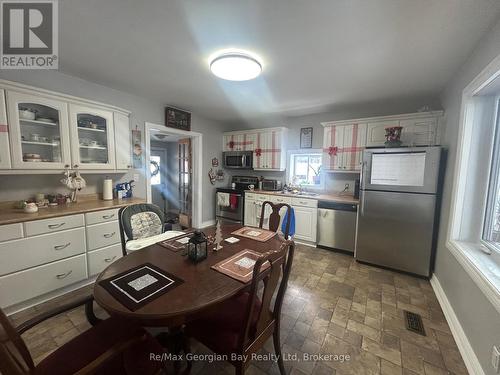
<point x="495" y="358"/>
<point x="136" y="177"/>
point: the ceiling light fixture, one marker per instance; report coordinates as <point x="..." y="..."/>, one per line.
<point x="235" y="66"/>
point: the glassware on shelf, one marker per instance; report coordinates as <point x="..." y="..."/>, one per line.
<point x="92" y="139"/>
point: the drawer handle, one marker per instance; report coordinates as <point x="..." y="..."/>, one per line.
<point x="62" y="247"/>
<point x="55" y="226"/>
<point x="106" y="217"/>
<point x="109" y="260"/>
<point x="302" y="202"/>
<point x="64" y="275"/>
<point x="109" y="235"/>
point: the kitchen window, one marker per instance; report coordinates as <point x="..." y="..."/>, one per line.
<point x="305" y="169"/>
<point x="491" y="230"/>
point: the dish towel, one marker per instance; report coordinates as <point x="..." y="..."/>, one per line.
<point x="223" y="199"/>
<point x="291" y="230"/>
<point x="233" y="201"/>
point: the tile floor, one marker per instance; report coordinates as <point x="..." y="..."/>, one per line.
<point x="333" y="306"/>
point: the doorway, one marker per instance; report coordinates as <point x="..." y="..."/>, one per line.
<point x="173" y="174"/>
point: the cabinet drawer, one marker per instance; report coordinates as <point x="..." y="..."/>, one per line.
<point x="100" y="259"/>
<point x="303" y="202"/>
<point x="101" y="216"/>
<point x="29" y="252"/>
<point x="34" y="228"/>
<point x="21" y="286"/>
<point x="101" y="235"/>
<point x="11" y="231"/>
<point x="262" y="197"/>
<point x="277" y="199"/>
<point x="250" y="195"/>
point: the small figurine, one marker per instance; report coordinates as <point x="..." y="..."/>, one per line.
<point x="218" y="237"/>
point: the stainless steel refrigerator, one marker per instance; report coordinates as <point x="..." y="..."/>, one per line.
<point x="398" y="202"/>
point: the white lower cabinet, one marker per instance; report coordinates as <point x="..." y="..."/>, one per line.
<point x="34" y="282"/>
<point x="100" y="259"/>
<point x="32" y="251"/>
<point x="250" y="218"/>
<point x="306" y="219"/>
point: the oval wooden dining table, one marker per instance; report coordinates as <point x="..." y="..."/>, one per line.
<point x="203" y="287"/>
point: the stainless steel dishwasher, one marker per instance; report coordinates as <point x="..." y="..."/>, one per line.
<point x="337" y="225"/>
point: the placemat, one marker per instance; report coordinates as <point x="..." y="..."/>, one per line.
<point x="140" y="285"/>
<point x="240" y="265"/>
<point x="174" y="244"/>
<point x="257" y="234"/>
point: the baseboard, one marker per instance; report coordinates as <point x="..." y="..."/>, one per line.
<point x="468" y="355"/>
<point x="207" y="223"/>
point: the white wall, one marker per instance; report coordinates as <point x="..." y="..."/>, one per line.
<point x="143" y="109"/>
<point x="479" y="319"/>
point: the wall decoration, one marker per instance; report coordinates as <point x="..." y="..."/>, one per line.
<point x="175" y="118"/>
<point x="306" y="137"/>
<point x="215" y="162"/>
<point x="137" y="153"/>
<point x="215" y="175"/>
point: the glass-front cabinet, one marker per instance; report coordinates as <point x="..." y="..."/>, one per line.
<point x="4" y="134"/>
<point x="38" y="127"/>
<point x="92" y="137"/>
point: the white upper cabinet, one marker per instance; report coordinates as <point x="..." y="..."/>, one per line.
<point x="122" y="141"/>
<point x="239" y="141"/>
<point x="92" y="137"/>
<point x="376" y="132"/>
<point x="343" y="147"/>
<point x="344" y="141"/>
<point x="268" y="146"/>
<point x="270" y="150"/>
<point x="39" y="132"/>
<point x="4" y="134"/>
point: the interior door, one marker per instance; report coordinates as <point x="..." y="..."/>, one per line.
<point x="185" y="182"/>
<point x="158" y="178"/>
<point x="4" y="134"/>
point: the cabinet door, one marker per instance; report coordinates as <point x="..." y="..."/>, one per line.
<point x="419" y="132"/>
<point x="123" y="141"/>
<point x="333" y="143"/>
<point x="38" y="130"/>
<point x="250" y="213"/>
<point x="376" y="132"/>
<point x="92" y="137"/>
<point x="354" y="144"/>
<point x="4" y="134"/>
<point x="268" y="150"/>
<point x="305" y="223"/>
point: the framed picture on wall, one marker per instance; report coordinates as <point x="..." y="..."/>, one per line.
<point x="175" y="118"/>
<point x="306" y="137"/>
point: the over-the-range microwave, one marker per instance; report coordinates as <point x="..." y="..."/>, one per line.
<point x="238" y="159"/>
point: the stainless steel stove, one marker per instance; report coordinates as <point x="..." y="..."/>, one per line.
<point x="229" y="202"/>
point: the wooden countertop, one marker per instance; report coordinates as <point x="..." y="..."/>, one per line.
<point x="10" y="215"/>
<point x="320" y="197"/>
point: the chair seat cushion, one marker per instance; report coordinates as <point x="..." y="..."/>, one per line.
<point x="89" y="345"/>
<point x="220" y="328"/>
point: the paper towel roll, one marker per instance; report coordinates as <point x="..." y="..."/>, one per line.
<point x="107" y="189"/>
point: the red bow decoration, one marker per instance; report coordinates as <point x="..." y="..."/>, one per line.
<point x="231" y="144"/>
<point x="333" y="151"/>
<point x="258" y="151"/>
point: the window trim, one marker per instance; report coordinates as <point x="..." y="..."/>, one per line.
<point x="472" y="256"/>
<point x="289" y="168"/>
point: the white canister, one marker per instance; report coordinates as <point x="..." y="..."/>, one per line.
<point x="107" y="189"/>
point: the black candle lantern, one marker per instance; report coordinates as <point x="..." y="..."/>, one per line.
<point x="197" y="247"/>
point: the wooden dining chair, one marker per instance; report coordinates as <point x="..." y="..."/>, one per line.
<point x="275" y="217"/>
<point x="110" y="346"/>
<point x="243" y="324"/>
<point x="138" y="221"/>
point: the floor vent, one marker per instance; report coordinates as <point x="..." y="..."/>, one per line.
<point x="414" y="323"/>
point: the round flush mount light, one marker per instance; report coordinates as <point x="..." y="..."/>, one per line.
<point x="235" y="66"/>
